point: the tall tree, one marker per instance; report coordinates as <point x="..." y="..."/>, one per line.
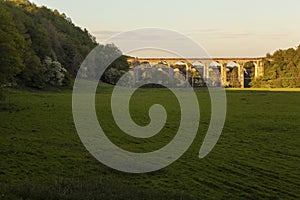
<point x="12" y="46"/>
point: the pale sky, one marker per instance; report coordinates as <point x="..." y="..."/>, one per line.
<point x="225" y="28"/>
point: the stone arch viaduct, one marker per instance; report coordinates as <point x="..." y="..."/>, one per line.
<point x="223" y="64"/>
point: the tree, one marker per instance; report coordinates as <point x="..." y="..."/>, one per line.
<point x="282" y="70"/>
<point x="11" y="48"/>
<point x="33" y="74"/>
<point x="54" y="72"/>
<point x="29" y="34"/>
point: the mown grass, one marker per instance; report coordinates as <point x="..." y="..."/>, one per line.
<point x="257" y="156"/>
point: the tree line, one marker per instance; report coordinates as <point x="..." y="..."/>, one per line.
<point x="40" y="46"/>
<point x="281" y="70"/>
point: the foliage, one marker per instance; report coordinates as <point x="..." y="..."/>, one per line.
<point x="116" y="69"/>
<point x="31" y="34"/>
<point x="11" y="48"/>
<point x="233" y="78"/>
<point x="52" y="50"/>
<point x="112" y="75"/>
<point x="55" y="73"/>
<point x="120" y="63"/>
<point x="282" y="70"/>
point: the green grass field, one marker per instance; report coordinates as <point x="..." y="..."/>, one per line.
<point x="257" y="156"/>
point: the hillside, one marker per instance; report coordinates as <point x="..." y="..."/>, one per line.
<point x="282" y="70"/>
<point x="39" y="46"/>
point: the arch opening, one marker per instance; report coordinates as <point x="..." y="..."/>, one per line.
<point x="180" y="67"/>
<point x="249" y="73"/>
<point x="197" y="74"/>
<point x="232" y="75"/>
<point x="214" y="74"/>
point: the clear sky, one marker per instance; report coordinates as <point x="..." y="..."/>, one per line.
<point x="225" y="28"/>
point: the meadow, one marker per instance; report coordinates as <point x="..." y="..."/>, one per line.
<point x="256" y="157"/>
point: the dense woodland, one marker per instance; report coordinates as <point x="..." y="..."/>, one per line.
<point x="282" y="70"/>
<point x="40" y="47"/>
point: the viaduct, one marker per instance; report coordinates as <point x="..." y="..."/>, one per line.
<point x="207" y="64"/>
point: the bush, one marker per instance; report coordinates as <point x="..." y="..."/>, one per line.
<point x="113" y="75"/>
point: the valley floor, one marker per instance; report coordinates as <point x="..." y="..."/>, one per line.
<point x="257" y="156"/>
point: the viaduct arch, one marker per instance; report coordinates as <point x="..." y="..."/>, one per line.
<point x="208" y="64"/>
